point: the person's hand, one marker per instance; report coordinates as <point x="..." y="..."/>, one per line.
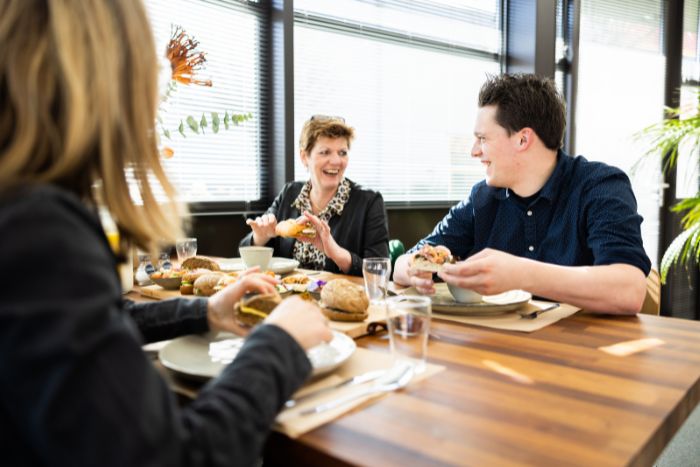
<point x="405" y="274"/>
<point x="324" y="241"/>
<point x="220" y="305"/>
<point x="488" y="272"/>
<point x="263" y="228"/>
<point x="302" y="320"/>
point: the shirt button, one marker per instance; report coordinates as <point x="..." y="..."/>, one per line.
<point x="529" y="213"/>
<point x="531" y="248"/>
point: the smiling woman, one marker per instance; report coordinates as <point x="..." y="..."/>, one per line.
<point x="342" y="241"/>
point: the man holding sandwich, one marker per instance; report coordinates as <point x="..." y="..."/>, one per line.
<point x="558" y="226"/>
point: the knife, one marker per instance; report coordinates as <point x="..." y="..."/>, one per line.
<point x="359" y="379"/>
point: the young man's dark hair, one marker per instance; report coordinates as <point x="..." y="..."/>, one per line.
<point x="525" y="100"/>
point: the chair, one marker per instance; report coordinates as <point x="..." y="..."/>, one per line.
<point x="652" y="301"/>
<point x="396" y="249"/>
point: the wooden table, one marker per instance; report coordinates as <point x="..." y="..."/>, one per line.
<point x="546" y="398"/>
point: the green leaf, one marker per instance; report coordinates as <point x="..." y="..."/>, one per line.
<point x="227" y="120"/>
<point x="166" y="133"/>
<point x="215" y="122"/>
<point x="181" y="129"/>
<point x="684" y="248"/>
<point x="192" y="123"/>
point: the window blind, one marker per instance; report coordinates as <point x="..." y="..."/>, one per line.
<point x="228" y="166"/>
<point x="621" y="91"/>
<point x="688" y="172"/>
<point x="406" y="76"/>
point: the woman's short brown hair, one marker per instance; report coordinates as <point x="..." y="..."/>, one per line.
<point x="329" y="127"/>
<point x="78" y="86"/>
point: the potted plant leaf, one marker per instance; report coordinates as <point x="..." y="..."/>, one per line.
<point x="667" y="139"/>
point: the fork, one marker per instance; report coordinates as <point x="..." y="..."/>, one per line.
<point x="536" y="313"/>
<point x="395" y="379"/>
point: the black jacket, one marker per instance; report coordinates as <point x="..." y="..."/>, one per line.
<point x="75" y="387"/>
<point x="362" y="228"/>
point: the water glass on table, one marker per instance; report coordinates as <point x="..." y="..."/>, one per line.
<point x="185" y="248"/>
<point x="376" y="272"/>
<point x="408" y="321"/>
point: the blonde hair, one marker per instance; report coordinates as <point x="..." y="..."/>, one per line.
<point x="330" y="127"/>
<point x="78" y="83"/>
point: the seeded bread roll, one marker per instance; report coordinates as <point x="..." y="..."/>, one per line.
<point x="344" y="301"/>
<point x="196" y="262"/>
<point x="205" y="285"/>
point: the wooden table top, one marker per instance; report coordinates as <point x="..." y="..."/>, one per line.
<point x="558" y="400"/>
<point x="550" y="397"/>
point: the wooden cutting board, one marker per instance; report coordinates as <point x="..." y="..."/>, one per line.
<point x="354" y="330"/>
<point x="159" y="293"/>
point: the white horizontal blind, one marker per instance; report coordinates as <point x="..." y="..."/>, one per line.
<point x="406" y="76"/>
<point x="688" y="172"/>
<point x="227" y="166"/>
<point x="621" y="91"/>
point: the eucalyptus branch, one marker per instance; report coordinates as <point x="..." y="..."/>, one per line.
<point x="190" y="124"/>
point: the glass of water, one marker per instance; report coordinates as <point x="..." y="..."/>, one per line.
<point x="376" y="272"/>
<point x="408" y="320"/>
<point x="185" y="248"/>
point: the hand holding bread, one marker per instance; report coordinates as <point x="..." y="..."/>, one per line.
<point x="221" y="305"/>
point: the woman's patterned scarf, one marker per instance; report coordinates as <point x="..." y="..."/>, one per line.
<point x="308" y="255"/>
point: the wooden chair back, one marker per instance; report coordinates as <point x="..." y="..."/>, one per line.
<point x="652" y="302"/>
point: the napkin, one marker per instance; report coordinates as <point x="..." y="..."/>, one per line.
<point x="293" y="424"/>
<point x="512" y="321"/>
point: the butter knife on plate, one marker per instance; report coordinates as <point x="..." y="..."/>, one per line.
<point x="359" y="379"/>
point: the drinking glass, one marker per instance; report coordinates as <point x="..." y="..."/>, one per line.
<point x="376" y="272"/>
<point x="408" y="320"/>
<point x="185" y="248"/>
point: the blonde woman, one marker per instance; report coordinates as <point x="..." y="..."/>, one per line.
<point x="349" y="220"/>
<point x="78" y="94"/>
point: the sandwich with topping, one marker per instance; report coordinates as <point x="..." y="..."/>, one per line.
<point x="431" y="258"/>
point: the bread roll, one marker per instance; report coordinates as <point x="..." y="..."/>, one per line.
<point x="290" y="228"/>
<point x="205" y="285"/>
<point x="196" y="262"/>
<point x="344" y="301"/>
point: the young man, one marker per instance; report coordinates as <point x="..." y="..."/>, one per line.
<point x="558" y="226"/>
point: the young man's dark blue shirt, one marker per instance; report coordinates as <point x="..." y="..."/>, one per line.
<point x="585" y="214"/>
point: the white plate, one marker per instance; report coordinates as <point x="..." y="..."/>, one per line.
<point x="443" y="302"/>
<point x="277" y="265"/>
<point x="204" y="358"/>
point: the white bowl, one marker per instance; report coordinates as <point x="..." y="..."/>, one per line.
<point x="462" y="295"/>
<point x="256" y="256"/>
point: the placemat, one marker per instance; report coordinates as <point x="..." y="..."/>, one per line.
<point x="514" y="321"/>
<point x="293" y="424"/>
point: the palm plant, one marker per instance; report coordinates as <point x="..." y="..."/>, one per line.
<point x="665" y="138"/>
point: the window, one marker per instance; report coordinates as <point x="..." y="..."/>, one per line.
<point x="228" y="166"/>
<point x="688" y="176"/>
<point x="620" y="48"/>
<point x="406" y="76"/>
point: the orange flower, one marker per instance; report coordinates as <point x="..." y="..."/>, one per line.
<point x="185" y="60"/>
